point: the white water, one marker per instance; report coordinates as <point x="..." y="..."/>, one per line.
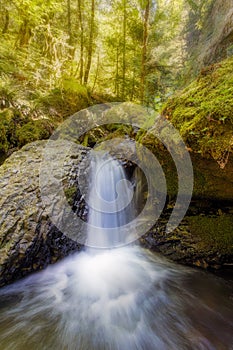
<point x="116" y="299"/>
<point x="110" y="203"/>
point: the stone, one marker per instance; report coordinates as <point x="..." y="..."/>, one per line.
<point x="201" y="240"/>
<point x="29" y="241"/>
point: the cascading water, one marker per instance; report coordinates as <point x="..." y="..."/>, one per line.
<point x="119" y="299"/>
<point x="110" y="202"/>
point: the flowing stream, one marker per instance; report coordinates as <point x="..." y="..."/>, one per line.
<point x="124" y="298"/>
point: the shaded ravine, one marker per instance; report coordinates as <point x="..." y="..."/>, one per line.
<point x="124" y="298"/>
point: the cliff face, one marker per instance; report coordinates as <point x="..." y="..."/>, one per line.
<point x="213" y="41"/>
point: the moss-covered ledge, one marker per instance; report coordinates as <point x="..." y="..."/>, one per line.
<point x="203" y="113"/>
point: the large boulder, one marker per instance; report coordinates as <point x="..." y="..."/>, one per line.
<point x="28" y="239"/>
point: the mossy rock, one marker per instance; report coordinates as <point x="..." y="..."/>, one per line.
<point x="70" y="193"/>
<point x="4" y="145"/>
<point x="34" y="130"/>
<point x="66" y="100"/>
<point x="10" y="120"/>
<point x="213" y="232"/>
<point x="203" y="238"/>
<point x="203" y="112"/>
<point x="17" y="129"/>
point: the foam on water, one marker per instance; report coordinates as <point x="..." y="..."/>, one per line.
<point x="126" y="298"/>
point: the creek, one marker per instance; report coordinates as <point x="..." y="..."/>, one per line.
<point x="117" y="298"/>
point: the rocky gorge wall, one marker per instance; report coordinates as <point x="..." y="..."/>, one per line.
<point x="29" y="241"/>
<point x="210" y="39"/>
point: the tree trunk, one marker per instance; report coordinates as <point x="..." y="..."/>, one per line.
<point x="24" y="34"/>
<point x="117" y="72"/>
<point x="124" y="49"/>
<point x="133" y="81"/>
<point x="6" y="23"/>
<point x="144" y="50"/>
<point x="80" y="15"/>
<point x="90" y="44"/>
<point x="97" y="72"/>
<point x="69" y="22"/>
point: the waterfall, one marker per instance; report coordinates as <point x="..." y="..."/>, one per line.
<point x="110" y="202"/>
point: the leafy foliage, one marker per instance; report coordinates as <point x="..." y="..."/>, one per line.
<point x="59" y="57"/>
<point x="44" y="44"/>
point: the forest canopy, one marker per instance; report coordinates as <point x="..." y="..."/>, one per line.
<point x="57" y="57"/>
<point x="129" y="49"/>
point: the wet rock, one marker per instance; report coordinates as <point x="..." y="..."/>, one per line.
<point x="29" y="241"/>
<point x="213" y="40"/>
<point x="203" y="239"/>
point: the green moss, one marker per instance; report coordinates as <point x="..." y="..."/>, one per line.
<point x="10" y="120"/>
<point x="17" y="129"/>
<point x="4" y="145"/>
<point x="118" y="131"/>
<point x="203" y="111"/>
<point x="106" y="132"/>
<point x="70" y="193"/>
<point x="213" y="232"/>
<point x="34" y="130"/>
<point x="66" y="100"/>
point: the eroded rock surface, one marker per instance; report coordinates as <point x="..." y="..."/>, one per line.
<point x="28" y="239"/>
<point x="203" y="239"/>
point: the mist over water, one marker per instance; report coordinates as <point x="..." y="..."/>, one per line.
<point x="126" y="298"/>
<point x="115" y="299"/>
